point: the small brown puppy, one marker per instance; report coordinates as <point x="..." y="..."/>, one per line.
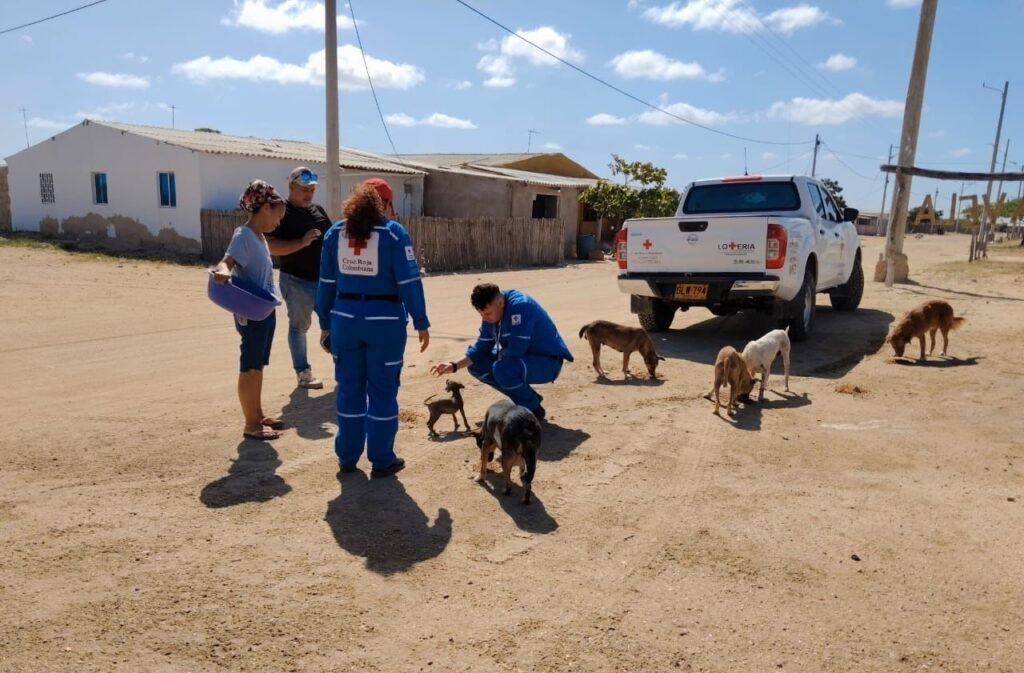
<point x="930" y="317"/>
<point x="624" y="339"/>
<point x="731" y="368"/>
<point x="446" y="405"/>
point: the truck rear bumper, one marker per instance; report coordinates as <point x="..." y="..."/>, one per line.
<point x="721" y="287"/>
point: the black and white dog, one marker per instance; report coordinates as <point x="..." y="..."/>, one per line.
<point x="515" y="431"/>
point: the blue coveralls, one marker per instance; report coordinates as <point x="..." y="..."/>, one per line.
<point x="365" y="297"/>
<point x="524" y="348"/>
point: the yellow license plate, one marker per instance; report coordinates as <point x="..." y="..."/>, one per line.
<point x="691" y="292"/>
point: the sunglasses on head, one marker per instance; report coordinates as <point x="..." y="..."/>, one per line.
<point x="305" y="177"/>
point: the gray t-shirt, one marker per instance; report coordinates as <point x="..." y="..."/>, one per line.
<point x="252" y="259"/>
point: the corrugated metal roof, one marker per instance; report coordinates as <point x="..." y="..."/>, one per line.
<point x="536" y="178"/>
<point x="271" y="148"/>
<point x="449" y="160"/>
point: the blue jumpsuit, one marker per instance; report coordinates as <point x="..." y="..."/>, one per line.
<point x="524" y="348"/>
<point x="365" y="297"/>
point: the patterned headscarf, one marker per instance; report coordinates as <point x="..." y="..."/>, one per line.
<point x="256" y="195"/>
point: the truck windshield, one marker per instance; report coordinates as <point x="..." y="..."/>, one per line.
<point x="741" y="197"/>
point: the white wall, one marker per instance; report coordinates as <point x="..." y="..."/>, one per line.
<point x="131" y="164"/>
<point x="224" y="177"/>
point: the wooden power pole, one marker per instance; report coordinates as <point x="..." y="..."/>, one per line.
<point x="981" y="249"/>
<point x="333" y="172"/>
<point x="908" y="140"/>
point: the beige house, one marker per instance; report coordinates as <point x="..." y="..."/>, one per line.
<point x="540" y="185"/>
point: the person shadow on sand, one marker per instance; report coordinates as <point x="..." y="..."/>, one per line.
<point x="252" y="477"/>
<point x="380" y="522"/>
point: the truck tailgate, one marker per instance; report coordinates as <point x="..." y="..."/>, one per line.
<point x="697" y="244"/>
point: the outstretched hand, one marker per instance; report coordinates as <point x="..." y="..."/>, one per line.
<point x="441" y="369"/>
<point x="424" y="335"/>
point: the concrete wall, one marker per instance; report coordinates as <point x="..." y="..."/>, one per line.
<point x="5" y="201"/>
<point x="132" y="165"/>
<point x="224" y="177"/>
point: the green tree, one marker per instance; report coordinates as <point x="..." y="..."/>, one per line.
<point x="836" y="191"/>
<point x="642" y="193"/>
<point x="204" y="129"/>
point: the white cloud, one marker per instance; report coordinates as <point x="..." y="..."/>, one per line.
<point x="941" y="133"/>
<point x="768" y="156"/>
<point x="961" y="152"/>
<point x="904" y="3"/>
<point x="108" y="112"/>
<point x="605" y="119"/>
<point x="686" y="111"/>
<point x="838" y="62"/>
<point x="114" y="79"/>
<point x="351" y="72"/>
<point x="652" y="65"/>
<point x="814" y="111"/>
<point x="48" y="124"/>
<point x="680" y="156"/>
<point x="26" y="38"/>
<point x="727" y="156"/>
<point x="642" y="148"/>
<point x="498" y="61"/>
<point x="132" y="56"/>
<point x="788" y="20"/>
<point x="499" y="69"/>
<point x="277" y="19"/>
<point x="555" y="147"/>
<point x="461" y="86"/>
<point x="438" y="120"/>
<point x="733" y="16"/>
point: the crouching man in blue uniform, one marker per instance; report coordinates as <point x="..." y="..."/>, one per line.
<point x="369" y="286"/>
<point x="518" y="346"/>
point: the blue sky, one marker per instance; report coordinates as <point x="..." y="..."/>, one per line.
<point x="448" y="81"/>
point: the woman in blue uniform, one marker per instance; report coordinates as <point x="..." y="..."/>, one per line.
<point x="369" y="286"/>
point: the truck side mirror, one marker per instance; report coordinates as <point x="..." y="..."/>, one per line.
<point x="850" y="214"/>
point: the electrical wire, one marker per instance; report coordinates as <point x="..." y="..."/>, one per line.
<point x="50" y="18"/>
<point x="840" y="160"/>
<point x="622" y="91"/>
<point x="373" y="90"/>
<point x="783" y="162"/>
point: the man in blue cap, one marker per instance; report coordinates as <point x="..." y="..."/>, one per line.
<point x="518" y="346"/>
<point x="297" y="242"/>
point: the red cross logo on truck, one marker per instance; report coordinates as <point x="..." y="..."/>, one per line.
<point x="357" y="246"/>
<point x="647" y="244"/>
<point x="732" y="245"/>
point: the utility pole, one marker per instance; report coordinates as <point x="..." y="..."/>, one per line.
<point x="885" y="189"/>
<point x="908" y="139"/>
<point x="814" y="162"/>
<point x="981" y="248"/>
<point x="1006" y="153"/>
<point x="173" y="108"/>
<point x="24" y="120"/>
<point x="331" y="92"/>
<point x="529" y="140"/>
<point x="745" y="160"/>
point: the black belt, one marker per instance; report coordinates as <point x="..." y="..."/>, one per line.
<point x="369" y="297"/>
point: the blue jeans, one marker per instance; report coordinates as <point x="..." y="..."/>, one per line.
<point x="299" y="296"/>
<point x="513" y="376"/>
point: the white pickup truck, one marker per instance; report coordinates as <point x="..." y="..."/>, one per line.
<point x="766" y="243"/>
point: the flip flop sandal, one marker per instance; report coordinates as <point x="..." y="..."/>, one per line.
<point x="274" y="423"/>
<point x="262" y="435"/>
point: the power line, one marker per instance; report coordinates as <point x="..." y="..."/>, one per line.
<point x="784" y="161"/>
<point x="373" y="90"/>
<point x="619" y="90"/>
<point x="839" y="159"/>
<point x="50" y="18"/>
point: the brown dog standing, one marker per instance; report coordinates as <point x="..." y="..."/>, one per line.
<point x="624" y="339"/>
<point x="930" y="317"/>
<point x="731" y="368"/>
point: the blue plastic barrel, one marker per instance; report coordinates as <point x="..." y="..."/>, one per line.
<point x="585" y="244"/>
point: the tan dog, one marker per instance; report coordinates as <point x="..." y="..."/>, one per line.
<point x="624" y="339"/>
<point x="731" y="368"/>
<point x="930" y="317"/>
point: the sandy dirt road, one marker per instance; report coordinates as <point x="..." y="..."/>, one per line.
<point x="139" y="533"/>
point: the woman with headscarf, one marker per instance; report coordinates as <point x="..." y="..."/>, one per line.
<point x="369" y="287"/>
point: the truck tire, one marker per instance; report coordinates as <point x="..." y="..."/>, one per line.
<point x="722" y="310"/>
<point x="847" y="296"/>
<point x="659" y="318"/>
<point x="802" y="308"/>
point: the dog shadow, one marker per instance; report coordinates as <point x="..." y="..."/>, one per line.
<point x="558" y="442"/>
<point x="532" y="518"/>
<point x="450" y="436"/>
<point x="378" y="521"/>
<point x="307" y="414"/>
<point x="941" y="363"/>
<point x="748" y="416"/>
<point x="252" y="477"/>
<point x="631" y="381"/>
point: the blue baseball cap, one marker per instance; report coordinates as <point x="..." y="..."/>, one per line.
<point x="303" y="176"/>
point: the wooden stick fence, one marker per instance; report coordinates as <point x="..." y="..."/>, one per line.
<point x="441" y="244"/>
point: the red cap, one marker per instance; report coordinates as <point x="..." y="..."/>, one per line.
<point x="383" y="189"/>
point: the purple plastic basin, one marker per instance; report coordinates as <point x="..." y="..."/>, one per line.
<point x="242" y="298"/>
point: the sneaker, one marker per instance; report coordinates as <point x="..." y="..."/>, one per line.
<point x="347" y="469"/>
<point x="395" y="468"/>
<point x="307" y="380"/>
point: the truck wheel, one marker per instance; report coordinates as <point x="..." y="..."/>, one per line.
<point x="803" y="309"/>
<point x="659" y="318"/>
<point x="847" y="296"/>
<point x="723" y="309"/>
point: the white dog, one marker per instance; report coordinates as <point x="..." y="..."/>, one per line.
<point x="759" y="356"/>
